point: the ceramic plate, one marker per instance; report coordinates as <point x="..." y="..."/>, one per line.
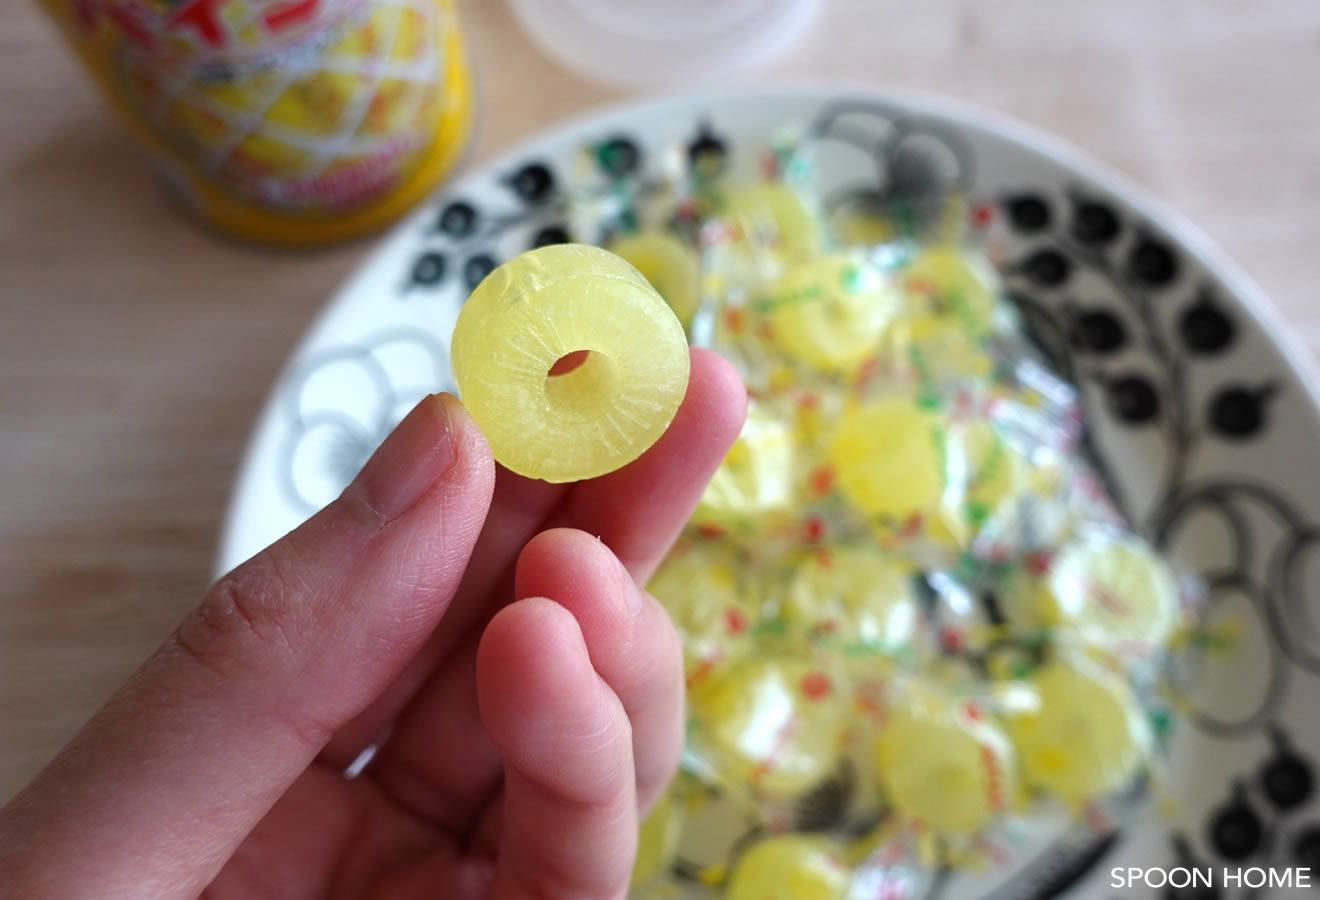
<point x="1202" y="411"/>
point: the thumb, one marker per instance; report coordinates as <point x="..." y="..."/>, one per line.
<point x="158" y="790"/>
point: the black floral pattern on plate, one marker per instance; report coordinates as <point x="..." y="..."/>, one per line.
<point x="316" y="414"/>
<point x="1255" y="825"/>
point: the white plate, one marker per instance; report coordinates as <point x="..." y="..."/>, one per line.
<point x="1202" y="409"/>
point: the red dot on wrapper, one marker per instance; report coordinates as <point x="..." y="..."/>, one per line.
<point x="814" y="529"/>
<point x="972" y="711"/>
<point x="821" y="480"/>
<point x="733" y="318"/>
<point x="962" y="403"/>
<point x="951" y="639"/>
<point x="816" y="685"/>
<point x="982" y="214"/>
<point x="710" y="531"/>
<point x="921" y="285"/>
<point x="1038" y="564"/>
<point x="867" y="371"/>
<point x="704" y="667"/>
<point x="734" y="621"/>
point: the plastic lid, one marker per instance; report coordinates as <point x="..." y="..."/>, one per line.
<point x="653" y="42"/>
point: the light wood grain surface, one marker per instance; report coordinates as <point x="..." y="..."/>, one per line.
<point x="136" y="349"/>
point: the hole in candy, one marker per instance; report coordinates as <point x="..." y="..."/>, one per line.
<point x="582" y="382"/>
<point x="568" y="362"/>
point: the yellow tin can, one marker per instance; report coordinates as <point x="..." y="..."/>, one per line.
<point x="289" y="122"/>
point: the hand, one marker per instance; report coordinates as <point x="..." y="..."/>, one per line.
<point x="488" y="633"/>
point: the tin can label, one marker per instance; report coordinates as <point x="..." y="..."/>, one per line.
<point x="308" y="109"/>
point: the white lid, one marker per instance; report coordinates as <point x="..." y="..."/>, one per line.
<point x="653" y="42"/>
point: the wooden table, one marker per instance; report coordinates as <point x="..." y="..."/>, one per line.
<point x="135" y="349"/>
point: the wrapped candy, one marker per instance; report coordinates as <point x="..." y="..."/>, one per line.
<point x="657" y="843"/>
<point x="753" y="490"/>
<point x="958" y="286"/>
<point x="775" y="725"/>
<point x="790" y="867"/>
<point x="705" y="588"/>
<point x="854" y="598"/>
<point x="1109" y="590"/>
<point x="667" y="262"/>
<point x="828" y="314"/>
<point x="943" y="761"/>
<point x="1078" y="729"/>
<point x="888" y="457"/>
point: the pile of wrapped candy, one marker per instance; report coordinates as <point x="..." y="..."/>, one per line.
<point x="910" y="615"/>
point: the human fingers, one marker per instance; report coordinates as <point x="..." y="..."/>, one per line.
<point x="440" y="762"/>
<point x="569" y="823"/>
<point x="632" y="645"/>
<point x="636" y="511"/>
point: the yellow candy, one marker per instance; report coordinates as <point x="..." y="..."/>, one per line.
<point x="983" y="473"/>
<point x="1113" y="592"/>
<point x="1079" y="732"/>
<point x="937" y="348"/>
<point x="775" y="725"/>
<point x="830" y="313"/>
<point x="961" y="285"/>
<point x="856" y="595"/>
<point x="666" y="262"/>
<point x="789" y="867"/>
<point x="942" y="763"/>
<point x="888" y="458"/>
<point x="711" y="609"/>
<point x="768" y="228"/>
<point x="755" y="480"/>
<point x="857" y="226"/>
<point x="773" y="218"/>
<point x="547" y="304"/>
<point x="657" y="841"/>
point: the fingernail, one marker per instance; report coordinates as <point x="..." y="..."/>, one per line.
<point x="632" y="591"/>
<point x="413" y="458"/>
<point x="635" y="600"/>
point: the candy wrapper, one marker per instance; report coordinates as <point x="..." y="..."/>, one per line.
<point x="853" y="601"/>
<point x="1078" y="727"/>
<point x="790" y="866"/>
<point x="657" y="844"/>
<point x="914" y="625"/>
<point x="945" y="763"/>
<point x="769" y="728"/>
